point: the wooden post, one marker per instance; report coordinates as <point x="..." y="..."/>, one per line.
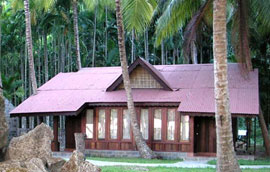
<point x="264" y="132"/>
<point x="255" y="136"/>
<point x="55" y="143"/>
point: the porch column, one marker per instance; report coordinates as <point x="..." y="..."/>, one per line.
<point x="55" y="143"/>
<point x="255" y="136"/>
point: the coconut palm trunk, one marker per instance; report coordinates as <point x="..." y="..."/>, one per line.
<point x="45" y="57"/>
<point x="226" y="158"/>
<point x="144" y="150"/>
<point x="94" y="39"/>
<point x="30" y="46"/>
<point x="76" y="33"/>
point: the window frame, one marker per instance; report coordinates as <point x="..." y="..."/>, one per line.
<point x="180" y="131"/>
<point x="94" y="125"/>
<point x="105" y="124"/>
<point x="176" y="121"/>
<point x="153" y="125"/>
<point x="109" y="124"/>
<point x="122" y="126"/>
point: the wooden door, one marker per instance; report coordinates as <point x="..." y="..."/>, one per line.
<point x="204" y="135"/>
<point x="73" y="125"/>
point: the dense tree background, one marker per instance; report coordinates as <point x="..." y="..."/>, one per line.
<point x="53" y="37"/>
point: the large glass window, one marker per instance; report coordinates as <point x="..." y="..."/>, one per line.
<point x="89" y="123"/>
<point x="101" y="124"/>
<point x="126" y="124"/>
<point x="157" y="124"/>
<point x="171" y="124"/>
<point x="113" y="125"/>
<point x="144" y="123"/>
<point x="184" y="128"/>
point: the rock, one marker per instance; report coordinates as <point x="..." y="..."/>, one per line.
<point x="87" y="167"/>
<point x="12" y="166"/>
<point x="76" y="163"/>
<point x="12" y="122"/>
<point x="3" y="127"/>
<point x="80" y="143"/>
<point x="35" y="165"/>
<point x="55" y="164"/>
<point x="35" y="144"/>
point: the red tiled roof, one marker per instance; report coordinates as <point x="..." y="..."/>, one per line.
<point x="68" y="92"/>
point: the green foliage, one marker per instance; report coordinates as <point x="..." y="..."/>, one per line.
<point x="12" y="87"/>
<point x="137" y="14"/>
<point x="167" y="169"/>
<point x="246" y="162"/>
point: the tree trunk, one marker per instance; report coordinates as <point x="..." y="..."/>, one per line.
<point x="132" y="46"/>
<point x="162" y="53"/>
<point x="226" y="158"/>
<point x="45" y="57"/>
<point x="76" y="33"/>
<point x="264" y="132"/>
<point x="39" y="60"/>
<point x="146" y="45"/>
<point x="144" y="150"/>
<point x="194" y="53"/>
<point x="94" y="39"/>
<point x="30" y="46"/>
<point x="106" y="34"/>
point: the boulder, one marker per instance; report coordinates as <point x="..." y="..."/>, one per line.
<point x="79" y="141"/>
<point x="12" y="166"/>
<point x="54" y="164"/>
<point x="34" y="144"/>
<point x="77" y="163"/>
<point x="35" y="165"/>
<point x="3" y="127"/>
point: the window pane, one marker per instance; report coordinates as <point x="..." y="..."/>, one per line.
<point x="171" y="124"/>
<point x="101" y="124"/>
<point x="157" y="124"/>
<point x="89" y="123"/>
<point x="126" y="125"/>
<point x="113" y="126"/>
<point x="184" y="127"/>
<point x="144" y="123"/>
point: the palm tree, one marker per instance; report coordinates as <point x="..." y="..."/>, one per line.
<point x="30" y="46"/>
<point x="226" y="157"/>
<point x="137" y="16"/>
<point x="76" y="33"/>
<point x="144" y="150"/>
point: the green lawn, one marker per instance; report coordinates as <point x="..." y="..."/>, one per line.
<point x="246" y="162"/>
<point x="167" y="169"/>
<point x="136" y="160"/>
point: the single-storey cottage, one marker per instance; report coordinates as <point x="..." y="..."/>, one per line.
<point x="175" y="106"/>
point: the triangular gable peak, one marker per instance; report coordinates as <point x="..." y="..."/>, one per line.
<point x="142" y="75"/>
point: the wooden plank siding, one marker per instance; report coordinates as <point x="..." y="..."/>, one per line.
<point x="164" y="144"/>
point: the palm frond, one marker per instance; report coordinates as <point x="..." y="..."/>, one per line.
<point x="192" y="27"/>
<point x="240" y="35"/>
<point x="137" y="14"/>
<point x="177" y="13"/>
<point x="261" y="8"/>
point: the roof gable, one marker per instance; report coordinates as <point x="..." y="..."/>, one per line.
<point x="145" y="68"/>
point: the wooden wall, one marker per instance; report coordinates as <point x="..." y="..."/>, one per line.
<point x="121" y="144"/>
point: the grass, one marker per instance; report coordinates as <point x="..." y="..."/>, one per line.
<point x="167" y="169"/>
<point x="246" y="162"/>
<point x="135" y="160"/>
